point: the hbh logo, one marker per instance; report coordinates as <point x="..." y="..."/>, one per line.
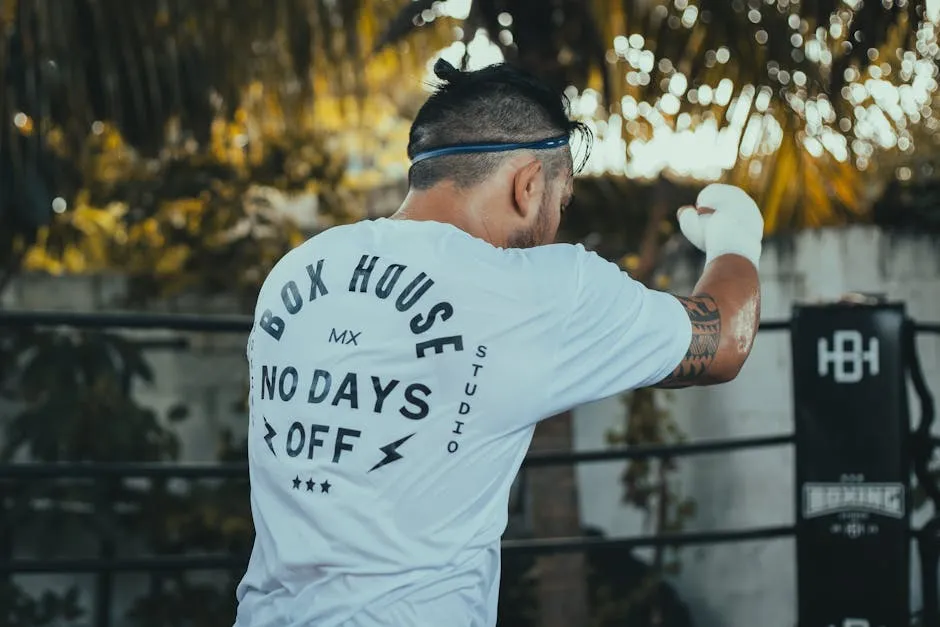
<point x="847" y="357"/>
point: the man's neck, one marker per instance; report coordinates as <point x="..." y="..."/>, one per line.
<point x="441" y="204"/>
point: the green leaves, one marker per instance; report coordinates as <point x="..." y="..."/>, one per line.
<point x="50" y="609"/>
<point x="178" y="413"/>
<point x="181" y="601"/>
<point x="75" y="397"/>
<point x="70" y="397"/>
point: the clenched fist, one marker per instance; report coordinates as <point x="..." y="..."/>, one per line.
<point x="724" y="221"/>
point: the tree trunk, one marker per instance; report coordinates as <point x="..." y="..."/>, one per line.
<point x="562" y="578"/>
<point x="650" y="253"/>
<point x="10" y="270"/>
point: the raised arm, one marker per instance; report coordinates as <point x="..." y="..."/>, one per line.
<point x="724" y="310"/>
<point x="724" y="307"/>
<point x="610" y="333"/>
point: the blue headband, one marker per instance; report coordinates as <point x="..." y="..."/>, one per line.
<point x="461" y="149"/>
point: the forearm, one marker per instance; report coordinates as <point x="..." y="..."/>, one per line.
<point x="732" y="283"/>
<point x="724" y="311"/>
<point x="724" y="308"/>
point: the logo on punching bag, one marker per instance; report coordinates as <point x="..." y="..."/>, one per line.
<point x="847" y="357"/>
<point x="853" y="503"/>
<point x="821" y="499"/>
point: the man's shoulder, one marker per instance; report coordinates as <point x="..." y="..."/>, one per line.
<point x="329" y="241"/>
<point x="554" y="253"/>
<point x="409" y="233"/>
<point x="439" y="249"/>
<point x="556" y="261"/>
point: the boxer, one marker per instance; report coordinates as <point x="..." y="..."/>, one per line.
<point x="398" y="366"/>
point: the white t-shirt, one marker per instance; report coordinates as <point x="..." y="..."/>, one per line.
<point x="398" y="370"/>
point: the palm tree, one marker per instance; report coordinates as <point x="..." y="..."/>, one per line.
<point x="143" y="64"/>
<point x="788" y="65"/>
<point x="164" y="71"/>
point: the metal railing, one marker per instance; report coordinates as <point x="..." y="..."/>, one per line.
<point x="107" y="563"/>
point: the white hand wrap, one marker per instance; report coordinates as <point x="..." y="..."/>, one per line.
<point x="736" y="226"/>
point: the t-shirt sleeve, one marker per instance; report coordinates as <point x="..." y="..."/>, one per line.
<point x="613" y="333"/>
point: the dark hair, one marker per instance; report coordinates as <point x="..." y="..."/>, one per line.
<point x="496" y="104"/>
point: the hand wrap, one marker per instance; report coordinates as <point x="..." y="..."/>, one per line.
<point x="735" y="227"/>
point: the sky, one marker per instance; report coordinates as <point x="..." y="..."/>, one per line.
<point x="703" y="151"/>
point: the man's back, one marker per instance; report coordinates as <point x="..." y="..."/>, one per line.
<point x="397" y="371"/>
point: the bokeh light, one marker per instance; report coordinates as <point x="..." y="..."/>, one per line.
<point x="676" y="131"/>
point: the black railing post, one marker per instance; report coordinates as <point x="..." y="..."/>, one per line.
<point x="10" y="491"/>
<point x="928" y="546"/>
<point x="104" y="578"/>
<point x="923" y="444"/>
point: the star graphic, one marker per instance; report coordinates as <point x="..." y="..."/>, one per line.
<point x="296" y="482"/>
<point x="325" y="487"/>
<point x="310" y="485"/>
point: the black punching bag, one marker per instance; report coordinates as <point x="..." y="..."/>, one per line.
<point x="852" y="466"/>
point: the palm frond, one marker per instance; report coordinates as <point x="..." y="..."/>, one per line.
<point x="684" y="52"/>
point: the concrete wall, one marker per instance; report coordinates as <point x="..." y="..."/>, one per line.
<point x="754" y="583"/>
<point x="726" y="586"/>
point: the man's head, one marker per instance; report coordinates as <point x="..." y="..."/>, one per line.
<point x="465" y="146"/>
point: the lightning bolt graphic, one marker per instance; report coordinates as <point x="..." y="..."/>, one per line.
<point x="391" y="452"/>
<point x="269" y="435"/>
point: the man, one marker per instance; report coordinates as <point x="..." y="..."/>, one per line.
<point x="399" y="366"/>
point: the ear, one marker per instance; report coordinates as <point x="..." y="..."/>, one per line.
<point x="528" y="187"/>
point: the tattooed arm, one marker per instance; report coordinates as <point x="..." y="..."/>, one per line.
<point x="606" y="333"/>
<point x="724" y="311"/>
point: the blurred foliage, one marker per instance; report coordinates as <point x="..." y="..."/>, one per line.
<point x="153" y="110"/>
<point x="911" y="200"/>
<point x="623" y="590"/>
<point x="798" y="83"/>
<point x="73" y="399"/>
<point x="71" y="388"/>
<point x="627" y="592"/>
<point x="910" y="205"/>
<point x="180" y="601"/>
<point x="650" y="424"/>
<point x="18" y="609"/>
<point x="650" y="485"/>
<point x="202" y="221"/>
<point x="563" y="40"/>
<point x="210" y="517"/>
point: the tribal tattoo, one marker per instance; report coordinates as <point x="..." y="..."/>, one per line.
<point x="706" y="336"/>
